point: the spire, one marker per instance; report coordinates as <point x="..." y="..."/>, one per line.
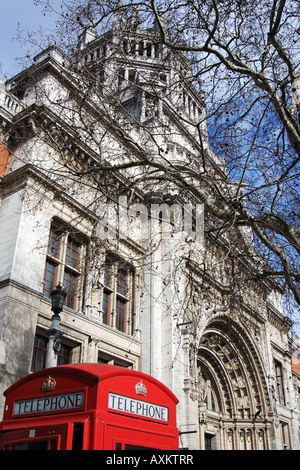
<point x="88" y="35"/>
<point x="134" y="20"/>
<point x="120" y="20"/>
<point x="161" y="23"/>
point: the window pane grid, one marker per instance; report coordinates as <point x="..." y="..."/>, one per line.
<point x="106" y="307"/>
<point x="122" y="281"/>
<point x="50" y="277"/>
<point x="54" y="243"/>
<point x="63" y="256"/>
<point x="39" y="353"/>
<point x="64" y="355"/>
<point x="121" y="315"/>
<point x="73" y="252"/>
<point x="115" y="295"/>
<point x="107" y="275"/>
<point x="70" y="286"/>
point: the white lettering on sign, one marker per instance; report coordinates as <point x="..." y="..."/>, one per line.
<point x="49" y="404"/>
<point x="137" y="407"/>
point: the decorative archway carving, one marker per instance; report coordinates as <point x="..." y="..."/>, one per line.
<point x="231" y="371"/>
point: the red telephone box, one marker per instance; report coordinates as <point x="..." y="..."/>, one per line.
<point x="89" y="407"/>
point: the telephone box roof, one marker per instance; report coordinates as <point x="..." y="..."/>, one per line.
<point x="98" y="372"/>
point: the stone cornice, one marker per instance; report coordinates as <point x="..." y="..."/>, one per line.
<point x="17" y="179"/>
<point x="276" y="318"/>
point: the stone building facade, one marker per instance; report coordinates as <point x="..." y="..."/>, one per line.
<point x="141" y="292"/>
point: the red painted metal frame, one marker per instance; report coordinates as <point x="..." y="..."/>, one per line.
<point x="104" y="427"/>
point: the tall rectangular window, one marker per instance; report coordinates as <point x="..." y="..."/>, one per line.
<point x="107" y="293"/>
<point x="106" y="307"/>
<point x="63" y="264"/>
<point x="73" y="252"/>
<point x="117" y="296"/>
<point x="121" y="314"/>
<point x="121" y="282"/>
<point x="50" y="276"/>
<point x="279" y="382"/>
<point x="39" y="353"/>
<point x="70" y="286"/>
<point x="54" y="243"/>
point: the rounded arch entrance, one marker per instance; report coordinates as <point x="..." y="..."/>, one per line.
<point x="233" y="392"/>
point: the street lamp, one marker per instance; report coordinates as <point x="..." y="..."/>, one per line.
<point x="58" y="296"/>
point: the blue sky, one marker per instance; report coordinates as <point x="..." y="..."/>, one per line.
<point x="30" y="17"/>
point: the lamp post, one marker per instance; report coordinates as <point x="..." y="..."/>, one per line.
<point x="58" y="296"/>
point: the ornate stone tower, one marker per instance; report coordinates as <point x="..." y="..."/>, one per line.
<point x="149" y="84"/>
